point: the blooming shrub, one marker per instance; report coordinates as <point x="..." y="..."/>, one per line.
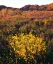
<point x="27" y="45"/>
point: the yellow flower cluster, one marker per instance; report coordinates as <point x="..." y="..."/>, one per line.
<point x="27" y="45"/>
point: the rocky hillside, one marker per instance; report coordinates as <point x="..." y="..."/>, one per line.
<point x="48" y="7"/>
<point x="28" y="11"/>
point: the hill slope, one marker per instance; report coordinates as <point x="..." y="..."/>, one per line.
<point x="28" y="11"/>
<point x="48" y="7"/>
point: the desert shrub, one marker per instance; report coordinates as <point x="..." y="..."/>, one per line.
<point x="50" y="52"/>
<point x="28" y="47"/>
<point x="48" y="21"/>
<point x="36" y="21"/>
<point x="23" y="29"/>
<point x="6" y="52"/>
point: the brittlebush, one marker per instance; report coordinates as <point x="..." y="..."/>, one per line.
<point x="27" y="45"/>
